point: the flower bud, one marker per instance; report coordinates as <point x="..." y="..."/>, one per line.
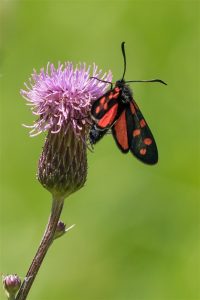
<point x="11" y="284"/>
<point x="60" y="230"/>
<point x="62" y="165"/>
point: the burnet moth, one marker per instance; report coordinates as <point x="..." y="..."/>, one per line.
<point x="96" y="134"/>
<point x="118" y="111"/>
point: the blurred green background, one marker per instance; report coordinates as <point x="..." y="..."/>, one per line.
<point x="137" y="227"/>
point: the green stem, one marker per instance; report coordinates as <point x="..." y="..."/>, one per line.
<point x="47" y="239"/>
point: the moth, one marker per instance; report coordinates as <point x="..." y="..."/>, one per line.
<point x="117" y="111"/>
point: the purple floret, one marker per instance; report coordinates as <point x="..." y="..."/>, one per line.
<point x="62" y="97"/>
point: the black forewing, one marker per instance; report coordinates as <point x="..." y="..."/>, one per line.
<point x="107" y="109"/>
<point x="143" y="144"/>
<point x="98" y="108"/>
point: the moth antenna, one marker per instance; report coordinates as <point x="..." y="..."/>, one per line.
<point x="124" y="56"/>
<point x="151" y="80"/>
<point x="105" y="81"/>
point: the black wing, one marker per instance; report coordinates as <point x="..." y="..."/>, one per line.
<point x="142" y="144"/>
<point x="107" y="109"/>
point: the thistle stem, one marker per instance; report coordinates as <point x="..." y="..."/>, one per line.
<point x="46" y="241"/>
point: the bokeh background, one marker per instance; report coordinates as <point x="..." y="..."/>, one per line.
<point x="137" y="227"/>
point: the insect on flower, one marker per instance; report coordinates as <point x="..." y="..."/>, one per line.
<point x="118" y="111"/>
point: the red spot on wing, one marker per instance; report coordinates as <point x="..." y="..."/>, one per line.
<point x="97" y="110"/>
<point x="109" y="117"/>
<point x="105" y="107"/>
<point x="136" y="132"/>
<point x="115" y="96"/>
<point x="102" y="100"/>
<point x="143" y="151"/>
<point x="132" y="108"/>
<point x="121" y="131"/>
<point x="147" y="141"/>
<point x="110" y="95"/>
<point x="117" y="89"/>
<point x="142" y="123"/>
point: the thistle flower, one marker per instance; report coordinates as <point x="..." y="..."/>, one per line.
<point x="62" y="99"/>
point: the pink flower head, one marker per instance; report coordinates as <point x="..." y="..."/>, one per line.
<point x="11" y="284"/>
<point x="63" y="96"/>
